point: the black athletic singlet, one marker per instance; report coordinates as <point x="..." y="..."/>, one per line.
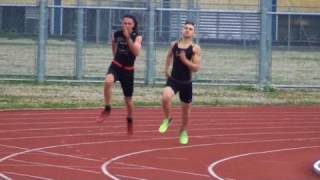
<point x="123" y="55"/>
<point x="180" y="71"/>
<point x="180" y="80"/>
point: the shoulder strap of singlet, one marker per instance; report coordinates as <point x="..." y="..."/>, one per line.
<point x="176" y="43"/>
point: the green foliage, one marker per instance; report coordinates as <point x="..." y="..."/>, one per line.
<point x="246" y="88"/>
<point x="269" y="89"/>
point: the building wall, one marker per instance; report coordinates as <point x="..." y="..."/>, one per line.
<point x="18" y="1"/>
<point x="283" y="5"/>
<point x="299" y="5"/>
<point x="229" y="4"/>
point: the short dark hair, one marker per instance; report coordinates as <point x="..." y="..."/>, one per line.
<point x="189" y="22"/>
<point x="135" y="27"/>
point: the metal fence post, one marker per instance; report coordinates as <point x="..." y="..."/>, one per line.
<point x="1" y="10"/>
<point x="42" y="41"/>
<point x="265" y="44"/>
<point x="98" y="21"/>
<point x="289" y="32"/>
<point x="151" y="64"/>
<point x="79" y="64"/>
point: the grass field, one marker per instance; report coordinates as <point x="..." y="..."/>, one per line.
<point x="18" y="94"/>
<point x="220" y="63"/>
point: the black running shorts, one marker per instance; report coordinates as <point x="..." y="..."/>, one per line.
<point x="125" y="77"/>
<point x="184" y="89"/>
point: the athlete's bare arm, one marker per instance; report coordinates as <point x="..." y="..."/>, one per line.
<point x="169" y="61"/>
<point x="194" y="64"/>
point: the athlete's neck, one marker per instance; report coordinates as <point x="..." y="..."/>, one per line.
<point x="185" y="42"/>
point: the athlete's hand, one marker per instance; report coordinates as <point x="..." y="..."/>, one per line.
<point x="167" y="73"/>
<point x="126" y="33"/>
<point x="182" y="55"/>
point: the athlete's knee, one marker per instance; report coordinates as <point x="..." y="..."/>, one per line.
<point x="128" y="100"/>
<point x="166" y="97"/>
<point x="108" y="81"/>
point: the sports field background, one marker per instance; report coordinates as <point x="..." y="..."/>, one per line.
<point x="226" y="63"/>
<point x="25" y="94"/>
<point x="231" y="49"/>
<point x="232" y="65"/>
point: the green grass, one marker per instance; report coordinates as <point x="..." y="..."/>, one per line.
<point x="219" y="62"/>
<point x="21" y="95"/>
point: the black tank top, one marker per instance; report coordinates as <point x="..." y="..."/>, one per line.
<point x="180" y="71"/>
<point x="123" y="55"/>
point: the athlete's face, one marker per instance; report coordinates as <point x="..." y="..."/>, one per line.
<point x="188" y="31"/>
<point x="128" y="23"/>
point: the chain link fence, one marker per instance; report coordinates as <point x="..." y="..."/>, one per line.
<point x="77" y="40"/>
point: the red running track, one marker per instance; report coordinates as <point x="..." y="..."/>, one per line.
<point x="231" y="143"/>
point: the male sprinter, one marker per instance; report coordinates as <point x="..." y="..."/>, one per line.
<point x="184" y="57"/>
<point x="126" y="46"/>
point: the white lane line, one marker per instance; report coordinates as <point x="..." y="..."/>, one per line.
<point x="83" y="119"/>
<point x="210" y="119"/>
<point x="27" y="175"/>
<point x="248" y="126"/>
<point x="43" y="123"/>
<point x="316" y="167"/>
<point x="5" y="177"/>
<point x="62" y="136"/>
<point x="214" y="164"/>
<point x="40" y="118"/>
<point x="218" y="120"/>
<point x="56" y="166"/>
<point x="55" y="154"/>
<point x="79" y="112"/>
<point x="125" y="140"/>
<point x="163" y="169"/>
<point x="130" y="140"/>
<point x="40" y="149"/>
<point x="106" y="164"/>
<point x="193" y="129"/>
<point x="56" y="128"/>
<point x="302" y="125"/>
<point x="172" y="158"/>
<point x="70" y="115"/>
<point x="130" y="177"/>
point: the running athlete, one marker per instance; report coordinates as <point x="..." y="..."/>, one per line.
<point x="126" y="46"/>
<point x="184" y="59"/>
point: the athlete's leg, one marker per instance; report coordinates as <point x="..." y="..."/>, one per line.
<point x="126" y="79"/>
<point x="129" y="105"/>
<point x="108" y="85"/>
<point x="186" y="100"/>
<point x="167" y="95"/>
<point x="186" y="109"/>
<point x="127" y="84"/>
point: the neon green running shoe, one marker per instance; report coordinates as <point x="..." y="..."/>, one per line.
<point x="184" y="138"/>
<point x="164" y="125"/>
